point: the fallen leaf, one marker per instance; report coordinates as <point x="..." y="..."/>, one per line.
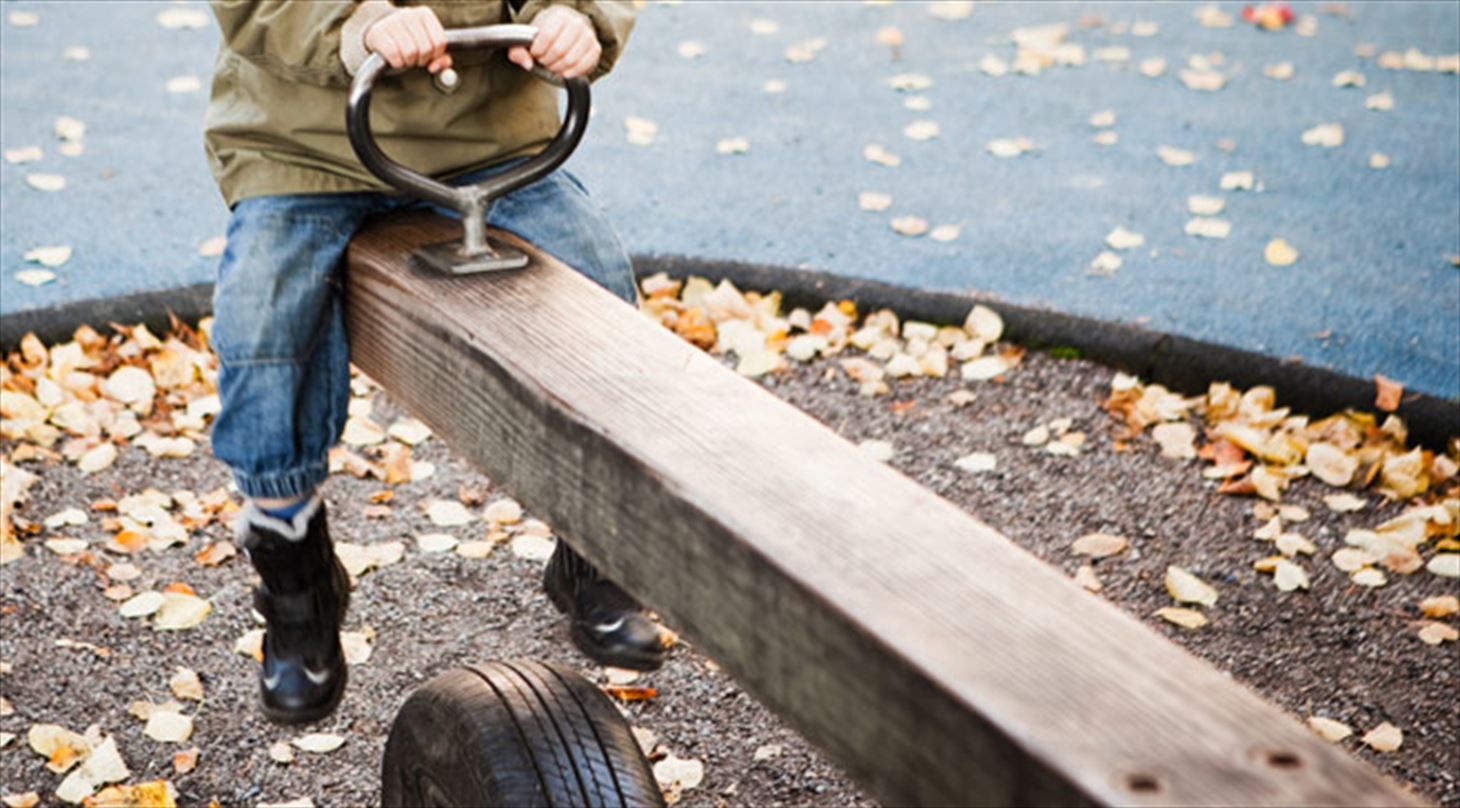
<point x="678" y="773"/>
<point x="503" y="512"/>
<point x="29" y="799"/>
<point x="945" y="232"/>
<point x="1326" y="135"/>
<point x="1153" y="68"/>
<point x="1289" y="576"/>
<point x="1440" y="606"/>
<point x="436" y="542"/>
<point x="766" y="752"/>
<point x="983" y="324"/>
<point x="24" y="154"/>
<point x="142" y="605"/>
<point x="1172" y="156"/>
<point x="690" y="49"/>
<point x="251" y="644"/>
<point x="1389" y="393"/>
<point x="1099" y="545"/>
<point x="1199" y="205"/>
<point x="1445" y="565"/>
<point x="281" y="752"/>
<point x="1187" y="588"/>
<point x="183" y="84"/>
<point x="910" y="82"/>
<point x="53" y="256"/>
<point x="168" y="726"/>
<point x="732" y="145"/>
<point x="1208" y="81"/>
<point x="35" y="277"/>
<point x="1384" y="738"/>
<point x="23" y="19"/>
<point x="977" y="462"/>
<point x="1008" y="147"/>
<point x="1280" y="71"/>
<point x="920" y="130"/>
<point x="1106" y="263"/>
<point x="950" y="10"/>
<point x="874" y="201"/>
<point x="1378" y="161"/>
<point x="46" y="182"/>
<point x="1379" y="102"/>
<point x="1328" y="729"/>
<point x="773" y="86"/>
<point x="182" y="18"/>
<point x="319" y="742"/>
<point x="215" y="553"/>
<point x="1123" y="239"/>
<point x="1279" y="253"/>
<point x="1435" y="633"/>
<point x="1344" y="503"/>
<point x="181" y="611"/>
<point x="1186" y="618"/>
<point x="1103" y="118"/>
<point x="764" y="27"/>
<point x="357" y="646"/>
<point x="185" y="684"/>
<point x="1208" y="228"/>
<point x="448" y="513"/>
<point x="1085" y="576"/>
<point x="1367" y="576"/>
<point x="640" y="131"/>
<point x="628" y="693"/>
<point x="533" y="548"/>
<point x="1237" y="181"/>
<point x="912" y="226"/>
<point x="877" y="154"/>
<point x="984" y="368"/>
<point x="879" y="450"/>
<point x="185" y="761"/>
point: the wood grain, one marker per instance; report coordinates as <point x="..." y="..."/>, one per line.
<point x="932" y="658"/>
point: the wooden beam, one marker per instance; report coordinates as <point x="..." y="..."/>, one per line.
<point x="931" y="657"/>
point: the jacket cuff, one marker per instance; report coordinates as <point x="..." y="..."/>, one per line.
<point x="352" y="36"/>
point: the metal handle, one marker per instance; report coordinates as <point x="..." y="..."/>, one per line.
<point x="470" y="201"/>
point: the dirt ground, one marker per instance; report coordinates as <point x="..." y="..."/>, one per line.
<point x="1337" y="650"/>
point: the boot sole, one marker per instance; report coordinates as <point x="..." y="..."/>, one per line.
<point x="309" y="716"/>
<point x="644" y="661"/>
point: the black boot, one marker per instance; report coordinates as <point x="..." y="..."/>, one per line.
<point x="303" y="599"/>
<point x="606" y="623"/>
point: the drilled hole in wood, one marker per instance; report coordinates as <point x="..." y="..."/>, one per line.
<point x="1143" y="783"/>
<point x="1283" y="760"/>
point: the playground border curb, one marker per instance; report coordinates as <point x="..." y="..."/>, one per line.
<point x="1180" y="363"/>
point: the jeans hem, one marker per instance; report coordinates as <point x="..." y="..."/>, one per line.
<point x="290" y="484"/>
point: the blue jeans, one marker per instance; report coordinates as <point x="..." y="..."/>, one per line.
<point x="279" y="326"/>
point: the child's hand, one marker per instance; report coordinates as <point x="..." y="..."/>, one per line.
<point x="410" y="37"/>
<point x="565" y="44"/>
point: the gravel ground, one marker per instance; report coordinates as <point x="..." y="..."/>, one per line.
<point x="1339" y="651"/>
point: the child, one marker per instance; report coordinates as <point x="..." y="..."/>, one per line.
<point x="276" y="142"/>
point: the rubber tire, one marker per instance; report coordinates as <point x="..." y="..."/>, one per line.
<point x="518" y="733"/>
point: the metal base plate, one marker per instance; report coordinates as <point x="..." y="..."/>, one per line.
<point x="446" y="257"/>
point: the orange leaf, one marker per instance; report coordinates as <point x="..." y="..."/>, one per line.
<point x="104" y="505"/>
<point x="1389" y="393"/>
<point x="180" y="588"/>
<point x="131" y="540"/>
<point x="630" y="692"/>
<point x="382" y="496"/>
<point x="186" y="761"/>
<point x="215" y="553"/>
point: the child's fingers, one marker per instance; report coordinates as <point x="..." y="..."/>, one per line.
<point x="520" y="56"/>
<point x="550" y="27"/>
<point x="440" y="63"/>
<point x="571" y="40"/>
<point x="581" y="59"/>
<point x="429" y="35"/>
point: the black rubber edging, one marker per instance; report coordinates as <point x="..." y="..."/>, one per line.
<point x="58" y="323"/>
<point x="1180" y="363"/>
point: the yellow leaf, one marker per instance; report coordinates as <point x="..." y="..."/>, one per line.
<point x="1436" y="633"/>
<point x="1186" y="618"/>
<point x="1099" y="545"/>
<point x="1187" y="588"/>
<point x="1279" y="253"/>
<point x="1328" y="729"/>
<point x="1384" y="738"/>
<point x="1440" y="606"/>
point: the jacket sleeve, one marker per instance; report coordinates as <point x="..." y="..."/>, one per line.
<point x="612" y="21"/>
<point x="315" y="42"/>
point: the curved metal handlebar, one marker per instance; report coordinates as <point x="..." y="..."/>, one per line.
<point x="470" y="201"/>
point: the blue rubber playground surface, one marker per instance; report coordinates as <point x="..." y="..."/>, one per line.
<point x="1374" y="288"/>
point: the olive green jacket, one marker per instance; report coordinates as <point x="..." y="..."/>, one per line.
<point x="276" y="119"/>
